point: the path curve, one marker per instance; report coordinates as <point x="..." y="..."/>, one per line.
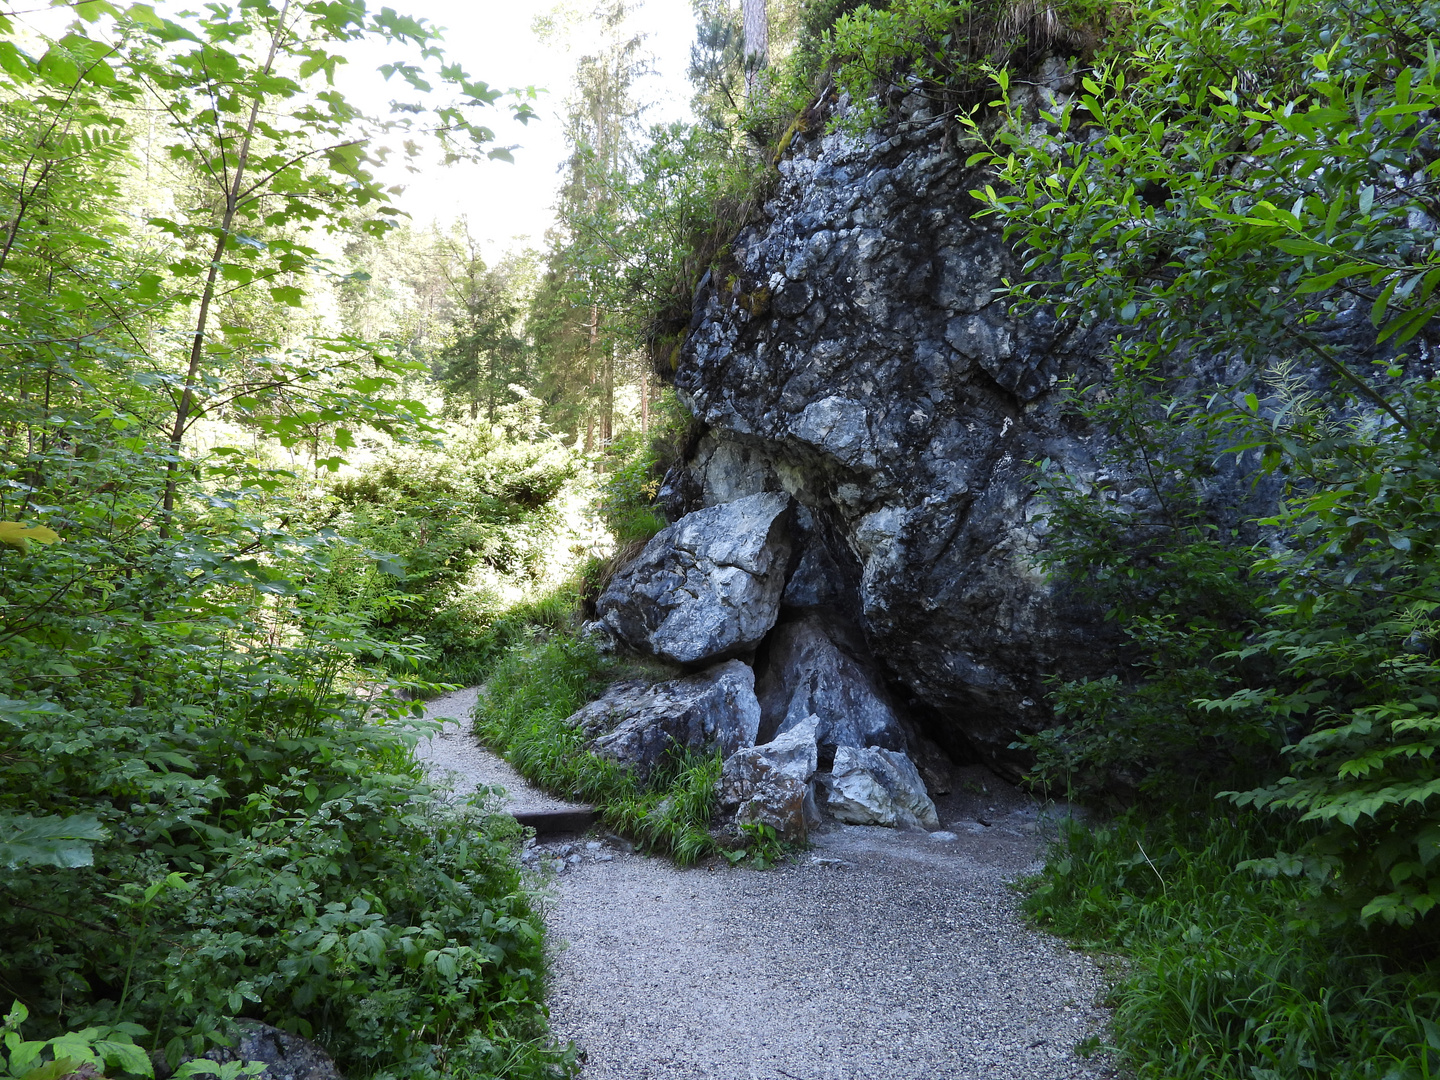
<point x="877" y="955"/>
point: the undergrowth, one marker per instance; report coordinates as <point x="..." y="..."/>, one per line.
<point x="531" y="692"/>
<point x="1225" y="972"/>
<point x="468" y="636"/>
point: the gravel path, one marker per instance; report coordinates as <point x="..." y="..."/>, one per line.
<point x="454" y="755"/>
<point x="878" y="955"/>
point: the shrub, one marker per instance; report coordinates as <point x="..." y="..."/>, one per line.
<point x="416" y="524"/>
<point x="1148" y="539"/>
<point x="1222" y="973"/>
<point x="945" y="49"/>
<point x="233" y="829"/>
<point x="1313" y="248"/>
<point x="471" y="633"/>
<point x="1354" y="634"/>
<point x="272" y="862"/>
<point x="629" y="487"/>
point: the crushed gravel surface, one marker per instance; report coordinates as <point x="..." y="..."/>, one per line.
<point x="453" y="756"/>
<point x="876" y="955"/>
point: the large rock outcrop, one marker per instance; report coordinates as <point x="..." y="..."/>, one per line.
<point x="853" y="356"/>
<point x="707" y="587"/>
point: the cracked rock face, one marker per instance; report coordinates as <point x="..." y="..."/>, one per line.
<point x="637" y="723"/>
<point x="882" y="386"/>
<point x="707" y="587"/>
<point x="807" y="679"/>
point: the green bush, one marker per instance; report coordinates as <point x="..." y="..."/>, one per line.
<point x="209" y="808"/>
<point x="628" y="489"/>
<point x="471" y="633"/>
<point x="416" y="523"/>
<point x="634" y="466"/>
<point x="1354" y="630"/>
<point x="945" y="50"/>
<point x="272" y="855"/>
<point x="1225" y="973"/>
<point x="1311" y="252"/>
<point x="1179" y="589"/>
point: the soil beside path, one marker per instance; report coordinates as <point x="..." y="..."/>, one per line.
<point x="877" y="955"/>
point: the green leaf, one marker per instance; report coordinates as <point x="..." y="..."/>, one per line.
<point x="125" y="1054"/>
<point x="49" y="841"/>
<point x="1331" y="278"/>
<point x="1294" y="246"/>
<point x="16" y="63"/>
<point x="17" y="535"/>
<point x="59" y="68"/>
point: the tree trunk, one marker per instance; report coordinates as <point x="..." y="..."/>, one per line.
<point x="607" y="389"/>
<point x="186" y="403"/>
<point x="756" y="28"/>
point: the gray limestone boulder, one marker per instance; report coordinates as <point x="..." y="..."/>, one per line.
<point x="637" y="723"/>
<point x="806" y="675"/>
<point x="285" y="1056"/>
<point x="707" y="587"/>
<point x="770" y="784"/>
<point x="875" y="786"/>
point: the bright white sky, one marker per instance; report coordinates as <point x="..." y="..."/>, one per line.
<point x="509" y="205"/>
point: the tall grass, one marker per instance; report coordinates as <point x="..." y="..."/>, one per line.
<point x="1227" y="973"/>
<point x="531" y="691"/>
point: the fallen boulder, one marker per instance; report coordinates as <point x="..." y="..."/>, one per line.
<point x="806" y="675"/>
<point x="637" y="723"/>
<point x="707" y="587"/>
<point x="875" y="786"/>
<point x="770" y="784"/>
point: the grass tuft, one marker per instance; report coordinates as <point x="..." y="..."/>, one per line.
<point x="1228" y="976"/>
<point x="533" y="688"/>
